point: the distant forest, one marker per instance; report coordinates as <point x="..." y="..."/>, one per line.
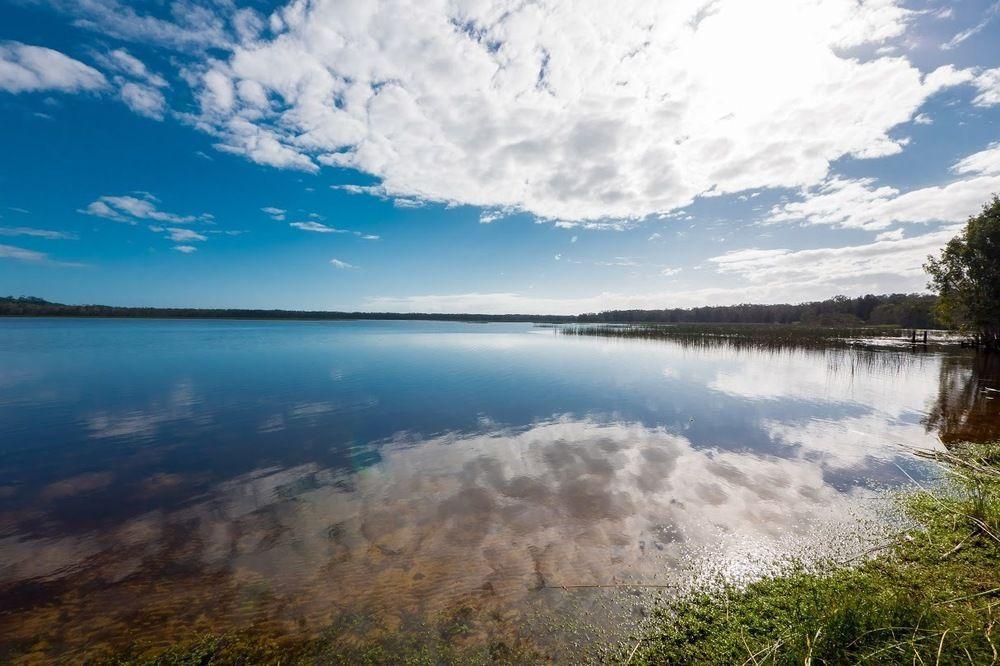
<point x="27" y="306"/>
<point x="906" y="310"/>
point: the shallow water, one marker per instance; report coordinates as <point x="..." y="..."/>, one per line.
<point x="159" y="478"/>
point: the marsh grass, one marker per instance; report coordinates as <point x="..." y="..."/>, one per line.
<point x="770" y="336"/>
<point x="931" y="597"/>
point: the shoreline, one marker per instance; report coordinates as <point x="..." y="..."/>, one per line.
<point x="932" y="595"/>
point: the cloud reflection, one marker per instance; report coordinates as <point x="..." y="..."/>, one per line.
<point x="562" y="502"/>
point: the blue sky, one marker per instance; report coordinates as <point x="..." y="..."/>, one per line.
<point x="488" y="156"/>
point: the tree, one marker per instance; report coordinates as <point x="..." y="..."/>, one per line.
<point x="967" y="277"/>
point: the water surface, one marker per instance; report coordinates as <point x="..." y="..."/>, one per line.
<point x="159" y="478"/>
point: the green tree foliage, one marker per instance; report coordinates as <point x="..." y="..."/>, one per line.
<point x="906" y="310"/>
<point x="967" y="277"/>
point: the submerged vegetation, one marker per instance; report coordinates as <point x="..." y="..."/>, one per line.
<point x="930" y="596"/>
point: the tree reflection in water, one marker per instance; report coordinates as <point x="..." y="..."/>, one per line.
<point x="967" y="405"/>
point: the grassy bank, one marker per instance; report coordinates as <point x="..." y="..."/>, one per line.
<point x="930" y="597"/>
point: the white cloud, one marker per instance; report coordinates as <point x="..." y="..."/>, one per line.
<point x="317" y="227"/>
<point x="186" y="249"/>
<point x="988" y="84"/>
<point x="275" y="213"/>
<point x="126" y="63"/>
<point x="138" y="86"/>
<point x="752" y="275"/>
<point x="138" y="206"/>
<point x="990" y="14"/>
<point x="21" y="254"/>
<point x="192" y="26"/>
<point x="320" y="228"/>
<point x="624" y="262"/>
<point x="31" y="256"/>
<point x="895" y="234"/>
<point x="26" y="68"/>
<point x="38" y="233"/>
<point x="859" y="203"/>
<point x="144" y="100"/>
<point x="891" y="264"/>
<point x="984" y="162"/>
<point x="184" y="235"/>
<point x="923" y="119"/>
<point x="613" y="110"/>
<point x="337" y="263"/>
<point x="669" y="271"/>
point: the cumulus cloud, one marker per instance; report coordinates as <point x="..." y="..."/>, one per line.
<point x="179" y="235"/>
<point x="984" y="162"/>
<point x="137" y="206"/>
<point x="191" y="26"/>
<point x="138" y="87"/>
<point x="860" y="203"/>
<point x="988" y="85"/>
<point x="126" y="63"/>
<point x="186" y="249"/>
<point x="26" y="68"/>
<point x="890" y="261"/>
<point x="337" y="263"/>
<point x="568" y="112"/>
<point x="144" y="100"/>
<point x="895" y="234"/>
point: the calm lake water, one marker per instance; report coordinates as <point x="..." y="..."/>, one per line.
<point x="159" y="478"/>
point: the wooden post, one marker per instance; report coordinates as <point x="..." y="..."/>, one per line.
<point x="913" y="338"/>
<point x="925" y="338"/>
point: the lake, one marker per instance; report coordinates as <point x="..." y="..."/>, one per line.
<point x="453" y="483"/>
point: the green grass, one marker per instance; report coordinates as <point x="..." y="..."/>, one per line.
<point x="932" y="597"/>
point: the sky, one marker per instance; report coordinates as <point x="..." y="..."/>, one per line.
<point x="486" y="155"/>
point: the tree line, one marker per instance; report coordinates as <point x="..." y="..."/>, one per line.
<point x="29" y="306"/>
<point x="906" y="310"/>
